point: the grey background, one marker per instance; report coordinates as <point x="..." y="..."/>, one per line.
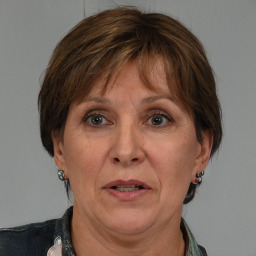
<point x="223" y="215"/>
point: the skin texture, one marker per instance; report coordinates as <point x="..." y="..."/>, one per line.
<point x="139" y="134"/>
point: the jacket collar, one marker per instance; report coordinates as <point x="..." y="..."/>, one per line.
<point x="63" y="230"/>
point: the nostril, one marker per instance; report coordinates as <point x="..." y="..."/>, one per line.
<point x="134" y="159"/>
<point x="116" y="160"/>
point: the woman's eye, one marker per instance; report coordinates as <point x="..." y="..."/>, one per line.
<point x="96" y="120"/>
<point x="159" y="120"/>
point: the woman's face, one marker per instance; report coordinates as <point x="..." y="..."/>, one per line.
<point x="130" y="155"/>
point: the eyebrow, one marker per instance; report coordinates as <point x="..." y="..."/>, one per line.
<point x="144" y="101"/>
<point x="98" y="100"/>
<point x="152" y="99"/>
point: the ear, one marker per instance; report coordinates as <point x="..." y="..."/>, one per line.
<point x="59" y="153"/>
<point x="203" y="154"/>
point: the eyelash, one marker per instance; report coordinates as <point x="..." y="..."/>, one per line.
<point x="162" y="115"/>
<point x="87" y="116"/>
<point x="148" y="117"/>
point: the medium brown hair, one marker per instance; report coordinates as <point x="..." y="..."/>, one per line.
<point x="100" y="45"/>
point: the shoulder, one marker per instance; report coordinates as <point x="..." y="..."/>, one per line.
<point x="203" y="251"/>
<point x="192" y="247"/>
<point x="32" y="239"/>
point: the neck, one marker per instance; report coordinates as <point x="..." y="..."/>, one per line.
<point x="89" y="239"/>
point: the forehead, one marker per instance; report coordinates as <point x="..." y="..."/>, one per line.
<point x="133" y="76"/>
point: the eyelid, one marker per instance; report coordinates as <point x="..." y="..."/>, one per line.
<point x="92" y="112"/>
<point x="149" y="114"/>
<point x="161" y="113"/>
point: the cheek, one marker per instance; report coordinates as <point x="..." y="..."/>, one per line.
<point x="177" y="156"/>
<point x="84" y="159"/>
<point x="173" y="163"/>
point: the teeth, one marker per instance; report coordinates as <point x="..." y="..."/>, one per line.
<point x="127" y="188"/>
<point x="122" y="189"/>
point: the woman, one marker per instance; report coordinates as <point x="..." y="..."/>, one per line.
<point x="128" y="110"/>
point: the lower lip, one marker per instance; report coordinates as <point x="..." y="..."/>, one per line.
<point x="128" y="196"/>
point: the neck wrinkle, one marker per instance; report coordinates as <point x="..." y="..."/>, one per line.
<point x="103" y="243"/>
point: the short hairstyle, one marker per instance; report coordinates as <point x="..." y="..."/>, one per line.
<point x="100" y="45"/>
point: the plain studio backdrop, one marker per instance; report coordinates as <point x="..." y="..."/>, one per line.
<point x="223" y="214"/>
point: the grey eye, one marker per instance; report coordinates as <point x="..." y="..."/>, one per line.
<point x="97" y="119"/>
<point x="158" y="120"/>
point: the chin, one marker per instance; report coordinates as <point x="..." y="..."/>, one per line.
<point x="130" y="223"/>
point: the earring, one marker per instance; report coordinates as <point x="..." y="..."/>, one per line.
<point x="199" y="179"/>
<point x="61" y="175"/>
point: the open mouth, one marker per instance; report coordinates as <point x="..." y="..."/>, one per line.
<point x="127" y="188"/>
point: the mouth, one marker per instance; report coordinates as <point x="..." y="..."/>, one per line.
<point x="127" y="190"/>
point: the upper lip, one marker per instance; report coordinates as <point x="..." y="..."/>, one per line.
<point x="125" y="183"/>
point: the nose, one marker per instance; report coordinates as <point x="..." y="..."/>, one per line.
<point x="127" y="146"/>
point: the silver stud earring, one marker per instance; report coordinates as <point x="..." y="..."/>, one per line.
<point x="199" y="178"/>
<point x="61" y="175"/>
